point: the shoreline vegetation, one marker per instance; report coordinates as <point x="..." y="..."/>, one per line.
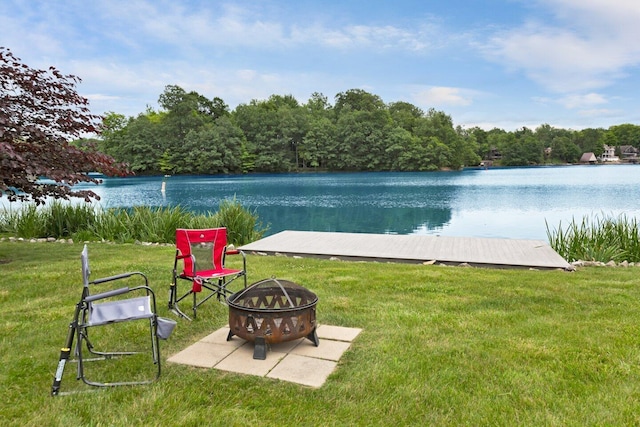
<point x="87" y="222"/>
<point x="599" y="238"/>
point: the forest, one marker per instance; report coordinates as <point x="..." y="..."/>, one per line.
<point x="191" y="134"/>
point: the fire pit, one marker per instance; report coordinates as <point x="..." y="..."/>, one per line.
<point x="272" y="311"/>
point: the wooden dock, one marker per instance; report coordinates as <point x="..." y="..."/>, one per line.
<point x="480" y="252"/>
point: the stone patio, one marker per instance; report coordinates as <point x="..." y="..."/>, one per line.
<point x="296" y="361"/>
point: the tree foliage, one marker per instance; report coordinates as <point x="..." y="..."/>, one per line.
<point x="194" y="135"/>
<point x="40" y="113"/>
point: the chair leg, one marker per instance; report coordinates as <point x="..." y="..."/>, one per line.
<point x="173" y="300"/>
<point x="155" y="354"/>
<point x="65" y="353"/>
<point x="195" y="306"/>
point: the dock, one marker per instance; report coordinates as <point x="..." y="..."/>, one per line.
<point x="423" y="249"/>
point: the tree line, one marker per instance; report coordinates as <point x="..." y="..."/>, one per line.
<point x="191" y="134"/>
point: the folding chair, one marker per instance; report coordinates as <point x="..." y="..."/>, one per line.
<point x="203" y="253"/>
<point x="106" y="309"/>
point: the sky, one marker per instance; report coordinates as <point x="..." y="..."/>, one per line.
<point x="509" y="64"/>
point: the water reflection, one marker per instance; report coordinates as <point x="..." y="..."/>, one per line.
<point x="356" y="219"/>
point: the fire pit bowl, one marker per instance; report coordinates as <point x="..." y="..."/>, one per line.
<point x="272" y="311"/>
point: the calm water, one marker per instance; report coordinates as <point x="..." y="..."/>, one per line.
<point x="509" y="203"/>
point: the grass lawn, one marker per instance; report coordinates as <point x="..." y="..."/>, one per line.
<point x="439" y="346"/>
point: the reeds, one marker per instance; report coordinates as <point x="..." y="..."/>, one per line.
<point x="598" y="238"/>
<point x="126" y="225"/>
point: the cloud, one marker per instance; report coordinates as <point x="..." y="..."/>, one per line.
<point x="443" y="96"/>
<point x="576" y="101"/>
<point x="591" y="44"/>
<point x="599" y="113"/>
<point x="583" y="101"/>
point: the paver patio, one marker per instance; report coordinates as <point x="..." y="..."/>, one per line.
<point x="296" y="361"/>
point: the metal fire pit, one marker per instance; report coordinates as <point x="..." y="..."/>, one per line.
<point x="272" y="311"/>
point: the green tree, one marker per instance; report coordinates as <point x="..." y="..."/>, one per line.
<point x="563" y="149"/>
<point x="405" y="115"/>
<point x="357" y="100"/>
<point x="361" y="138"/>
<point x="626" y="134"/>
<point x="143" y="144"/>
<point x="269" y="147"/>
<point x="468" y="147"/>
<point x="215" y="148"/>
<point x="319" y="143"/>
<point x="406" y="152"/>
<point x="590" y="141"/>
<point x="112" y="131"/>
<point x="318" y="106"/>
<point x="445" y="147"/>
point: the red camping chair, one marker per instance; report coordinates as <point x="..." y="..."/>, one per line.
<point x="203" y="253"/>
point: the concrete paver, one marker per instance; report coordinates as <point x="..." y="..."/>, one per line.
<point x="338" y="333"/>
<point x="241" y="361"/>
<point x="328" y="349"/>
<point x="201" y="354"/>
<point x="303" y="370"/>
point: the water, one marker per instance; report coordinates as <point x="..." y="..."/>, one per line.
<point x="507" y="203"/>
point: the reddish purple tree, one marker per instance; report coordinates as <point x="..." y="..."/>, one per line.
<point x="40" y="113"/>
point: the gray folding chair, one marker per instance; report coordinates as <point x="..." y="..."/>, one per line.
<point x="108" y="309"/>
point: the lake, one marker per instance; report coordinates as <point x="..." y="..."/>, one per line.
<point x="500" y="202"/>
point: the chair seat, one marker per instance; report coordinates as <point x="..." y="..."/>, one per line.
<point x="212" y="274"/>
<point x="119" y="311"/>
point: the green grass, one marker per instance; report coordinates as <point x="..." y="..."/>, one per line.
<point x="440" y="346"/>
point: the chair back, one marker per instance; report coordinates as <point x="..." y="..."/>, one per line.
<point x="202" y="249"/>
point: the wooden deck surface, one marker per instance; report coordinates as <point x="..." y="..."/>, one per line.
<point x="505" y="253"/>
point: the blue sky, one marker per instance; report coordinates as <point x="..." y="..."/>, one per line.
<point x="489" y="63"/>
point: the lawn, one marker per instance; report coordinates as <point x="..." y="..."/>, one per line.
<point x="439" y="346"/>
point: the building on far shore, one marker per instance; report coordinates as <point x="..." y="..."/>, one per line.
<point x="629" y="153"/>
<point x="589" y="158"/>
<point x="609" y="154"/>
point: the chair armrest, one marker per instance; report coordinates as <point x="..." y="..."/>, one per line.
<point x="107" y="294"/>
<point x="118" y="277"/>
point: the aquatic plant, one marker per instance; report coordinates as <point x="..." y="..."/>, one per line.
<point x="598" y="238"/>
<point x="139" y="223"/>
